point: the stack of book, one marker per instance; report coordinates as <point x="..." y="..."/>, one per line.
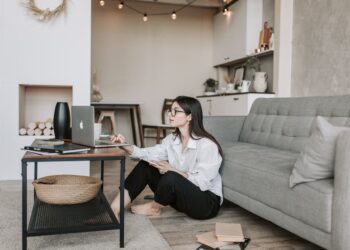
<point x="52" y="146"/>
<point x="224" y="234"/>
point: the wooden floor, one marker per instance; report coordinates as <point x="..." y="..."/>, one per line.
<point x="179" y="230"/>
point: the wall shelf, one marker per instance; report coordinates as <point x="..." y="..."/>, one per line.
<point x="245" y="58"/>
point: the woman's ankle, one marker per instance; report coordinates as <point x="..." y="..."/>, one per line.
<point x="156" y="205"/>
<point x="149" y="209"/>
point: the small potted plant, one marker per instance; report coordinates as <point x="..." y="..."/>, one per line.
<point x="259" y="78"/>
<point x="253" y="63"/>
<point x="210" y="85"/>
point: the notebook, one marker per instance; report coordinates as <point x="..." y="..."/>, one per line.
<point x="210" y="240"/>
<point x="229" y="232"/>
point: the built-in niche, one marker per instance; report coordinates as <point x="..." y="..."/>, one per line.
<point x="37" y="106"/>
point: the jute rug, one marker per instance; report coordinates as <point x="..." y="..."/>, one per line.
<point x="139" y="231"/>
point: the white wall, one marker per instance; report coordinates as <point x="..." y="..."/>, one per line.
<point x="145" y="62"/>
<point x="44" y="53"/>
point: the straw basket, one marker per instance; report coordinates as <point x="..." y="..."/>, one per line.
<point x="66" y="189"/>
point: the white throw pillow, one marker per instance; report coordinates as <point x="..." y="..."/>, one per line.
<point x="316" y="161"/>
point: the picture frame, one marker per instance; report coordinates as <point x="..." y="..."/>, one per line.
<point x="238" y="77"/>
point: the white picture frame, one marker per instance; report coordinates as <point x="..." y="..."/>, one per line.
<point x="238" y="78"/>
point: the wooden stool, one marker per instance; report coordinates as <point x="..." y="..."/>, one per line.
<point x="160" y="129"/>
<point x="111" y="115"/>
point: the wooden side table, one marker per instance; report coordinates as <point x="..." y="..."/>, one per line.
<point x="94" y="215"/>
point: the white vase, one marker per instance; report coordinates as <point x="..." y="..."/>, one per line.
<point x="260" y="81"/>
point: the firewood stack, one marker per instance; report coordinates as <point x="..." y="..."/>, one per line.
<point x="38" y="128"/>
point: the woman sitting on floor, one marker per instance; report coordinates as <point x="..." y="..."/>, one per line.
<point x="182" y="171"/>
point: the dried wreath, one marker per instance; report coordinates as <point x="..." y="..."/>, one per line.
<point x="44" y="14"/>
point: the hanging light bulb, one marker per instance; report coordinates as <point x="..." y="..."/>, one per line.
<point x="173" y="16"/>
<point x="121" y="5"/>
<point x="145" y="18"/>
<point x="102" y="3"/>
<point x="225" y="11"/>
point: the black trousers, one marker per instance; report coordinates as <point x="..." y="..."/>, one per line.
<point x="173" y="189"/>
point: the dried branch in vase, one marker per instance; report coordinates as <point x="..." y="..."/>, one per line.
<point x="227" y="79"/>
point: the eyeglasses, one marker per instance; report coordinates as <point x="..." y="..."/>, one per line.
<point x="173" y="112"/>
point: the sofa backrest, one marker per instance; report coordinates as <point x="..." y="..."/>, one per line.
<point x="286" y="123"/>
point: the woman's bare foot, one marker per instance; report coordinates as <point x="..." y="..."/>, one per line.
<point x="149" y="209"/>
<point x="116" y="203"/>
<point x="116" y="210"/>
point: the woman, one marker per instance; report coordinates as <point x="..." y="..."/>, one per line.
<point x="182" y="171"/>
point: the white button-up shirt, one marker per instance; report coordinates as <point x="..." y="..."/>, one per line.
<point x="200" y="160"/>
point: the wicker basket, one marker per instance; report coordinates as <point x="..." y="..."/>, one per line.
<point x="66" y="189"/>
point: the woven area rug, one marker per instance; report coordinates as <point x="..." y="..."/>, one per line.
<point x="139" y="231"/>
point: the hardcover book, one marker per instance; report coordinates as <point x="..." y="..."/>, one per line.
<point x="50" y="141"/>
<point x="229" y="232"/>
<point x="210" y="240"/>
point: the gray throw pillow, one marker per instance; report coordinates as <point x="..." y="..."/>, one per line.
<point x="316" y="161"/>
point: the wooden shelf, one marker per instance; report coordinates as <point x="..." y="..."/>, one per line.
<point x="243" y="59"/>
<point x="237" y="93"/>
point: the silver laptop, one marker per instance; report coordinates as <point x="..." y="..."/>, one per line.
<point x="83" y="119"/>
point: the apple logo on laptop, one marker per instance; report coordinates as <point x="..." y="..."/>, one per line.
<point x="81" y="125"/>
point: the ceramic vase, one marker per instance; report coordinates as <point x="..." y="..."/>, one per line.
<point x="61" y="121"/>
<point x="260" y="81"/>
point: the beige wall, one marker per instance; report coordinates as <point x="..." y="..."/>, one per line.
<point x="144" y="63"/>
<point x="321" y="55"/>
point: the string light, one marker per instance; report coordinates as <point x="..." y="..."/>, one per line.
<point x="145" y="18"/>
<point x="173" y="14"/>
<point x="226" y="5"/>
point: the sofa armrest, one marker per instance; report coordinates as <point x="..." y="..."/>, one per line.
<point x="225" y="129"/>
<point x="341" y="194"/>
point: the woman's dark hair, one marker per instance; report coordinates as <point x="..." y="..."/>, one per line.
<point x="192" y="106"/>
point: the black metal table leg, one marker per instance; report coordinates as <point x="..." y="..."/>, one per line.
<point x="122" y="173"/>
<point x="35" y="174"/>
<point x="24" y="205"/>
<point x="35" y="170"/>
<point x="132" y="117"/>
<point x="102" y="172"/>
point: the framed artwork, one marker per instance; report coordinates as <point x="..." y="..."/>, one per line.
<point x="238" y="78"/>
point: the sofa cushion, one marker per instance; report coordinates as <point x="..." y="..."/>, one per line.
<point x="262" y="173"/>
<point x="285" y="123"/>
<point x="316" y="161"/>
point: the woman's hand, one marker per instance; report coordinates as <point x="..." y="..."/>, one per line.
<point x="119" y="138"/>
<point x="164" y="166"/>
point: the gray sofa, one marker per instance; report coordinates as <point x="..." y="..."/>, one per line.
<point x="259" y="154"/>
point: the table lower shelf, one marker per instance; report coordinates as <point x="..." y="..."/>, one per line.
<point x="94" y="215"/>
